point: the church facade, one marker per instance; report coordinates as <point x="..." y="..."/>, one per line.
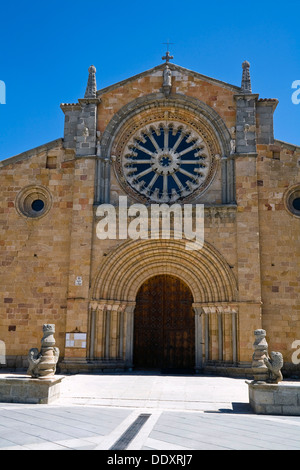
<point x="174" y="139"/>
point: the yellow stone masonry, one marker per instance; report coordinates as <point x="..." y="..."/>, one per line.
<point x="54" y="269"/>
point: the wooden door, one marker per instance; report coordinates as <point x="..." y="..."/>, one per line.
<point x="164" y="325"/>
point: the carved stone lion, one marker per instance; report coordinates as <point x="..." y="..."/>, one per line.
<point x="34" y="358"/>
<point x="274" y="365"/>
<point x="42" y="364"/>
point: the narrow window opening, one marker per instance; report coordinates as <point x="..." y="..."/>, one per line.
<point x="51" y="162"/>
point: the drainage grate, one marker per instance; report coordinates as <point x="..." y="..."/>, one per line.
<point x="130" y="433"/>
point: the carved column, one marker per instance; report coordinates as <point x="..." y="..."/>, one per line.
<point x="129" y="319"/>
<point x="100" y="333"/>
<point x="102" y="184"/>
<point x="121" y="328"/>
<point x="106" y="336"/>
<point x="220" y="334"/>
<point x="234" y="336"/>
<point x="198" y="337"/>
<point x="116" y="331"/>
<point x="206" y="335"/>
<point x="226" y="325"/>
<point x="92" y="331"/>
<point x="228" y="180"/>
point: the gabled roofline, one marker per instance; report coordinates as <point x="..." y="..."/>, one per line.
<point x="287" y="144"/>
<point x="31" y="152"/>
<point x="213" y="81"/>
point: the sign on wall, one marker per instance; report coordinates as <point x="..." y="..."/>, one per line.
<point x="75" y="340"/>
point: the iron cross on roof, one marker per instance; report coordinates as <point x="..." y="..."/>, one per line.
<point x="167" y="57"/>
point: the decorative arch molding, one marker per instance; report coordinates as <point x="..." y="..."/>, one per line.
<point x="212" y="122"/>
<point x="158" y="100"/>
<point x="126" y="268"/>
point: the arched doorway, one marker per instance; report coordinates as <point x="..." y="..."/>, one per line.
<point x="164" y="325"/>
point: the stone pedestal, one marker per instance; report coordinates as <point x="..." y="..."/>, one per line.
<point x="23" y="389"/>
<point x="275" y="399"/>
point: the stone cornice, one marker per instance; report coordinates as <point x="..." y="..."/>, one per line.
<point x="78" y="106"/>
<point x="89" y="100"/>
<point x="268" y="102"/>
<point x="248" y="96"/>
<point x="243" y="155"/>
<point x="70" y="107"/>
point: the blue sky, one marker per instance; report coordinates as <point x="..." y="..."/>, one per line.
<point x="47" y="47"/>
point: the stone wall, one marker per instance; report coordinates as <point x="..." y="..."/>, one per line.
<point x="34" y="251"/>
<point x="51" y="260"/>
<point x="278" y="170"/>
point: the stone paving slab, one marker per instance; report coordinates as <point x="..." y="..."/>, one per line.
<point x="201" y="413"/>
<point x="224" y="431"/>
<point x="56" y="427"/>
<point x="150" y="390"/>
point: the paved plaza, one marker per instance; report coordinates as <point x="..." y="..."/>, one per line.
<point x="146" y="411"/>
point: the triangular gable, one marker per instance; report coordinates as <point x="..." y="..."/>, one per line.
<point x="32" y="152"/>
<point x="172" y="67"/>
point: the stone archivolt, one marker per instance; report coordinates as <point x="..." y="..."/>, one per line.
<point x="190" y="109"/>
<point x="127" y="267"/>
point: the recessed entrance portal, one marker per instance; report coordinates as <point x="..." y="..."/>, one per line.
<point x="164" y="325"/>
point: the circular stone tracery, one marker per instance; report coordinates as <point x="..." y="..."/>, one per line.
<point x="292" y="200"/>
<point x="166" y="161"/>
<point x="33" y="201"/>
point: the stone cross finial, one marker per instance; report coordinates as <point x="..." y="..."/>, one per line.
<point x="91" y="88"/>
<point x="167" y="57"/>
<point x="246" y="80"/>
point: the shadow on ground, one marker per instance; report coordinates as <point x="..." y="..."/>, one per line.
<point x="237" y="408"/>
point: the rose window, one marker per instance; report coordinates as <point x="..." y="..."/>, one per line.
<point x="166" y="162"/>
